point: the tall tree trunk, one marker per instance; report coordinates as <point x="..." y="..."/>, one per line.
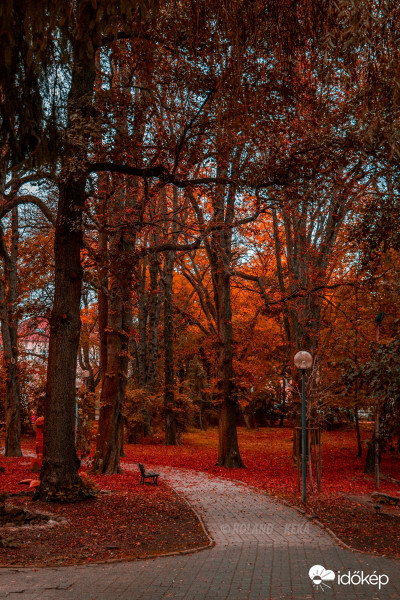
<point x="59" y="477"/>
<point x="228" y="447"/>
<point x="155" y="303"/>
<point x="169" y="380"/>
<point x="359" y="445"/>
<point x="283" y="403"/>
<point x="113" y="387"/>
<point x="224" y="210"/>
<point x="115" y="321"/>
<point x="9" y="326"/>
<point x="149" y="317"/>
<point x="102" y="304"/>
<point x="109" y="444"/>
<point x="219" y="252"/>
<point x="169" y="372"/>
<point x="142" y="342"/>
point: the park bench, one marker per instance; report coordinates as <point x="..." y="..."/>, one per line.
<point x="148" y="475"/>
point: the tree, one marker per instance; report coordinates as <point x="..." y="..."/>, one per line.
<point x="85" y="28"/>
<point x="9" y="329"/>
<point x="254" y="54"/>
<point x="169" y="371"/>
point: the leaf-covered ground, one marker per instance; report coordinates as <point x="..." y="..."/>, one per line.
<point x="267" y="454"/>
<point x="359" y="526"/>
<point x="137" y="520"/>
<point x="132" y="521"/>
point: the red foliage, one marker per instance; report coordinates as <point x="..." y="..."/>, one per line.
<point x="131" y="521"/>
<point x="267" y="454"/>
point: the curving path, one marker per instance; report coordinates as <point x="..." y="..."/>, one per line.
<point x="263" y="550"/>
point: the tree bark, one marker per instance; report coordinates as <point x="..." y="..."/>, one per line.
<point x="59" y="477"/>
<point x="142" y="342"/>
<point x="169" y="372"/>
<point x="369" y="467"/>
<point x="155" y="303"/>
<point x="359" y="445"/>
<point x="169" y="383"/>
<point x="102" y="303"/>
<point x="219" y="252"/>
<point x="109" y="443"/>
<point x="228" y="447"/>
<point x="149" y="318"/>
<point x="9" y="327"/>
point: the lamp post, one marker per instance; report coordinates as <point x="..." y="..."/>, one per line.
<point x="303" y="360"/>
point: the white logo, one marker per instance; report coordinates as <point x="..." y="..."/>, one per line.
<point x="360" y="578"/>
<point x="319" y="576"/>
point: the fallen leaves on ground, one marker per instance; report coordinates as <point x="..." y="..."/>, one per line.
<point x="130" y="522"/>
<point x="359" y="525"/>
<point x="267" y="454"/>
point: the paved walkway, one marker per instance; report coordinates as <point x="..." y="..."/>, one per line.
<point x="263" y="550"/>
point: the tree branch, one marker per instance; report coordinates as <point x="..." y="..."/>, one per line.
<point x="12" y="201"/>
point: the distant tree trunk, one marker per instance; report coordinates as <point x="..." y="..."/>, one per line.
<point x="283" y="404"/>
<point x="228" y="447"/>
<point x="143" y="310"/>
<point x="202" y="421"/>
<point x="375" y="444"/>
<point x="370" y="458"/>
<point x="102" y="305"/>
<point x="219" y="251"/>
<point x="155" y="303"/>
<point x="248" y="420"/>
<point x="9" y="328"/>
<point x="108" y="444"/>
<point x="149" y="318"/>
<point x="169" y="383"/>
<point x="60" y="462"/>
<point x="221" y="256"/>
<point x="108" y="437"/>
<point x="359" y="445"/>
<point x="169" y="374"/>
<point x="121" y="437"/>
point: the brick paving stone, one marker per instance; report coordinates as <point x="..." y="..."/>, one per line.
<point x="263" y="551"/>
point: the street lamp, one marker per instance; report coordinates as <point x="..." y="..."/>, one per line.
<point x="303" y="360"/>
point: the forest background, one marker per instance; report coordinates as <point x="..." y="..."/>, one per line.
<point x="190" y="193"/>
